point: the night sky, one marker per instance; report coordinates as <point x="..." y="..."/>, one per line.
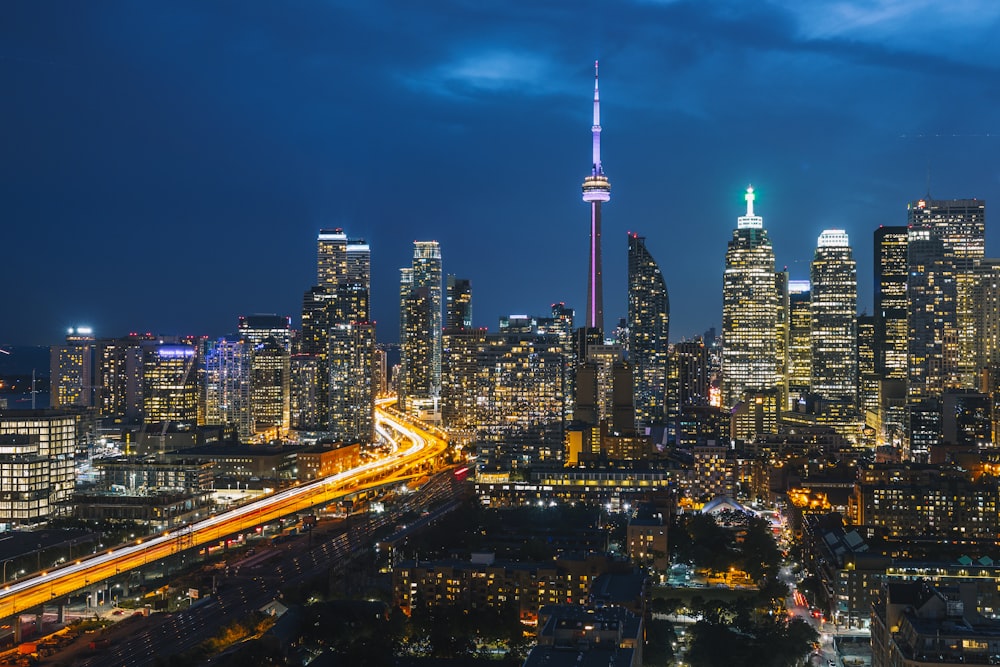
<point x="165" y="167"/>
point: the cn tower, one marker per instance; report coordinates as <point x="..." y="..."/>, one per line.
<point x="596" y="189"/>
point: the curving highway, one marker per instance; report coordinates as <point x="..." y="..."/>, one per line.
<point x="416" y="446"/>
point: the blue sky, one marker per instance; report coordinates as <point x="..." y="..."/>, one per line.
<point x="166" y="166"/>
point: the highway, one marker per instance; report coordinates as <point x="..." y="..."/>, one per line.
<point x="423" y="447"/>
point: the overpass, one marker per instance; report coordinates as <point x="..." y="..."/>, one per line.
<point x="417" y="447"/>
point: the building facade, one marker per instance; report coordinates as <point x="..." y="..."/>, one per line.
<point x="37" y="470"/>
<point x="749" y="310"/>
<point x="649" y="329"/>
<point x="420" y="327"/>
<point x="833" y="307"/>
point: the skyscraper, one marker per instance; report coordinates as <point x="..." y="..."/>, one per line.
<point x="946" y="244"/>
<point x="890" y="302"/>
<point x="269" y="338"/>
<point x="420" y="326"/>
<point x="72" y="370"/>
<point x="749" y="310"/>
<point x="337" y="333"/>
<point x="834" y="311"/>
<point x="227" y="385"/>
<point x="798" y="372"/>
<point x="461" y="345"/>
<point x="458" y="309"/>
<point x="649" y="328"/>
<point x="596" y="190"/>
<point x="170" y="387"/>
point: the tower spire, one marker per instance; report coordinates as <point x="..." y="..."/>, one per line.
<point x="596" y="189"/>
<point x="597" y="126"/>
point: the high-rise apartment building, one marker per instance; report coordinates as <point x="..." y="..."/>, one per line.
<point x="890" y="302"/>
<point x="798" y="370"/>
<point x="834" y="311"/>
<point x="458" y="303"/>
<point x="420" y="326"/>
<point x="648" y="326"/>
<point x="340" y="338"/>
<point x="596" y="191"/>
<point x="946" y="242"/>
<point x="304" y="392"/>
<point x="749" y="310"/>
<point x="688" y="381"/>
<point x="72" y="370"/>
<point x="352" y="392"/>
<point x="461" y="345"/>
<point x="520" y="383"/>
<point x="560" y="324"/>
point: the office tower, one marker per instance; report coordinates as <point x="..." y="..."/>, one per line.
<point x="890" y="302"/>
<point x="649" y="327"/>
<point x="946" y="243"/>
<point x="868" y="379"/>
<point x="37" y="472"/>
<point x="986" y="295"/>
<point x="596" y="190"/>
<point x="269" y="338"/>
<point x="799" y="367"/>
<point x="420" y="327"/>
<point x="834" y="312"/>
<point x="749" y="310"/>
<point x="170" y="388"/>
<point x="781" y="334"/>
<point x="72" y="370"/>
<point x="227" y="385"/>
<point x="337" y="333"/>
<point x="520" y="385"/>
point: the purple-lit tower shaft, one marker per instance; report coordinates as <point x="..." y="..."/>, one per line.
<point x="596" y="190"/>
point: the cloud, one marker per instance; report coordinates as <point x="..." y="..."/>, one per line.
<point x="489" y="71"/>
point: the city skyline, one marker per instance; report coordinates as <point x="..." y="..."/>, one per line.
<point x="152" y="163"/>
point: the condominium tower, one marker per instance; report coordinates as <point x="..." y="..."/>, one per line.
<point x="420" y="326"/>
<point x="648" y="326"/>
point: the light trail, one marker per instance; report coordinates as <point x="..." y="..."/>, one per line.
<point x="43" y="588"/>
